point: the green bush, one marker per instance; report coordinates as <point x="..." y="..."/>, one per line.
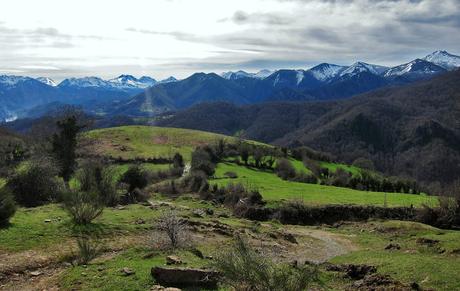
<point x="202" y="161"/>
<point x="135" y="177"/>
<point x="284" y="169"/>
<point x="245" y="269"/>
<point x="7" y="206"/>
<point x="88" y="249"/>
<point x="96" y="177"/>
<point x="83" y="207"/>
<point x="36" y="185"/>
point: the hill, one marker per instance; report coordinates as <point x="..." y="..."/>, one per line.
<point x="131" y="142"/>
<point x="411" y="130"/>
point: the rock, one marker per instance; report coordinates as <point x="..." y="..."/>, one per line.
<point x="209" y="211"/>
<point x="352" y="271"/>
<point x="120" y="208"/>
<point x="173" y="260"/>
<point x="186" y="277"/>
<point x="127" y="271"/>
<point x="47" y="220"/>
<point x="35" y="273"/>
<point x="273" y="235"/>
<point x="393" y="246"/>
<point x="199" y="213"/>
<point x="290" y="238"/>
<point x="139" y="221"/>
<point x="223" y="215"/>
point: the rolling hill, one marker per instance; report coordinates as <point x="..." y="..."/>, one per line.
<point x="411" y="130"/>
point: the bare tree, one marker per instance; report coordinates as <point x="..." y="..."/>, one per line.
<point x="173" y="226"/>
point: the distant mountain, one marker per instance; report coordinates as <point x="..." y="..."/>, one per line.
<point x="21" y="93"/>
<point x="417" y="69"/>
<point x="325" y="72"/>
<point x="47" y="81"/>
<point x="444" y="59"/>
<point x="242" y="74"/>
<point x="322" y="82"/>
<point x="130" y="82"/>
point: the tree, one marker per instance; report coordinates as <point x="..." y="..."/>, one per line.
<point x="202" y="161"/>
<point x="65" y="144"/>
<point x="178" y="161"/>
<point x="284" y="169"/>
<point x="173" y="226"/>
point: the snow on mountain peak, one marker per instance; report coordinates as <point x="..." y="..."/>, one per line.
<point x="47" y="81"/>
<point x="168" y="80"/>
<point x="324" y="71"/>
<point x="417" y="66"/>
<point x="360" y="67"/>
<point x="12" y="80"/>
<point x="84" y="82"/>
<point x="443" y="59"/>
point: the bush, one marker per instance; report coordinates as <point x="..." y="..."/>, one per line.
<point x="135" y="177"/>
<point x="173" y="227"/>
<point x="83" y="207"/>
<point x="178" y="161"/>
<point x="7" y="206"/>
<point x="35" y="185"/>
<point x="284" y="169"/>
<point x="202" y="161"/>
<point x="96" y="177"/>
<point x="88" y="249"/>
<point x="245" y="269"/>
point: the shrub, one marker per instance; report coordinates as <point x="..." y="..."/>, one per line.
<point x="173" y="227"/>
<point x="303" y="177"/>
<point x="135" y="177"/>
<point x="196" y="182"/>
<point x="83" y="207"/>
<point x="364" y="163"/>
<point x="340" y="178"/>
<point x="231" y="175"/>
<point x="88" y="249"/>
<point x="35" y="185"/>
<point x="244" y="269"/>
<point x="178" y="161"/>
<point x="284" y="169"/>
<point x="96" y="177"/>
<point x="202" y="161"/>
<point x="7" y="206"/>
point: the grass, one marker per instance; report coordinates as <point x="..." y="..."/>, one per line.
<point x="148" y="141"/>
<point x="332" y="167"/>
<point x="273" y="189"/>
<point x="413" y="262"/>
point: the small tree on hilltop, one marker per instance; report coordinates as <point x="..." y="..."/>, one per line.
<point x="65" y="144"/>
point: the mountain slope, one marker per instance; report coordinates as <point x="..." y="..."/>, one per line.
<point x="444" y="59"/>
<point x="412" y="129"/>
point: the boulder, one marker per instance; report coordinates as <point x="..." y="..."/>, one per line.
<point x="127" y="271"/>
<point x="185" y="277"/>
<point x="173" y="260"/>
<point x="393" y="246"/>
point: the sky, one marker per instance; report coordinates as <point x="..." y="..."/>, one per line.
<point x="160" y="38"/>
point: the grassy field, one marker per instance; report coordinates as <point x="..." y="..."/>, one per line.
<point x="273" y="188"/>
<point x="149" y="141"/>
<point x="435" y="266"/>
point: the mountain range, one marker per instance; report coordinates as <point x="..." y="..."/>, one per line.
<point x="127" y="95"/>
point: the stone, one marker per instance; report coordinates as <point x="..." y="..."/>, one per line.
<point x="35" y="273"/>
<point x="173" y="260"/>
<point x="393" y="246"/>
<point x="127" y="271"/>
<point x="199" y="213"/>
<point x="290" y="238"/>
<point x="185" y="277"/>
<point x="47" y="220"/>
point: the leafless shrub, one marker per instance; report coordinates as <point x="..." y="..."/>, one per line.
<point x="173" y="228"/>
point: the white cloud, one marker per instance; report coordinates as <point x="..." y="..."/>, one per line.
<point x="177" y="37"/>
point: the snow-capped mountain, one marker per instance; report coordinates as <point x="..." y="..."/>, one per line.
<point x="444" y="59"/>
<point x="168" y="80"/>
<point x="360" y="67"/>
<point x="416" y="67"/>
<point x="84" y="82"/>
<point x="236" y="75"/>
<point x="129" y="82"/>
<point x="47" y="81"/>
<point x="12" y="80"/>
<point x="262" y="74"/>
<point x="325" y="72"/>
